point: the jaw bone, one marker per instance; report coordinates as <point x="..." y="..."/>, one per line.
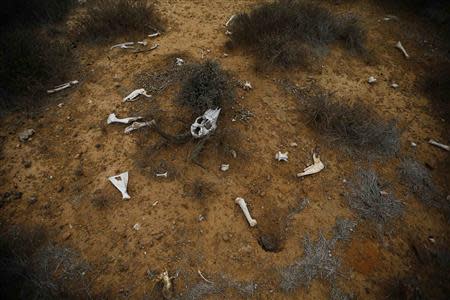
<point x="112" y="118"/>
<point x="137" y="125"/>
<point x="314" y="168"/>
<point x="121" y="182"/>
<point x="134" y="94"/>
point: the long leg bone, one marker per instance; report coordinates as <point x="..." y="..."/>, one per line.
<point x="127" y="45"/>
<point x="137" y="125"/>
<point x="437" y="144"/>
<point x="154" y="34"/>
<point x="62" y="86"/>
<point x="121" y="182"/>
<point x="112" y="118"/>
<point x="241" y="202"/>
<point x="162" y="174"/>
<point x="230" y="20"/>
<point x="135" y="94"/>
<point x="314" y="168"/>
<point x="401" y="48"/>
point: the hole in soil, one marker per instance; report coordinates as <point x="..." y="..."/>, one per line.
<point x="270" y="243"/>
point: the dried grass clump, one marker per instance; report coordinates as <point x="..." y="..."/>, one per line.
<point x="208" y="86"/>
<point x="418" y="179"/>
<point x="355" y="126"/>
<point x="368" y="199"/>
<point x="287" y="33"/>
<point x="109" y="19"/>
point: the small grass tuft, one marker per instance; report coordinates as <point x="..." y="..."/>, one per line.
<point x="289" y="33"/>
<point x="355" y="126"/>
<point x="110" y="19"/>
<point x="368" y="199"/>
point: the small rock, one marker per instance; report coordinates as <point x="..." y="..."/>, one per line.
<point x="60" y="189"/>
<point x="137" y="226"/>
<point x="98" y="146"/>
<point x="26" y="163"/>
<point x="372" y="80"/>
<point x="67" y="235"/>
<point x="225" y="237"/>
<point x="32" y="200"/>
<point x="25" y="135"/>
<point x="224" y="167"/>
<point x="394" y="85"/>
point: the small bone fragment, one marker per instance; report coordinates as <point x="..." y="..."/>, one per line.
<point x="394" y="85"/>
<point x="437" y="144"/>
<point x="62" y="86"/>
<point x="134" y="94"/>
<point x="179" y="61"/>
<point x="241" y="202"/>
<point x="113" y="119"/>
<point x="206" y="124"/>
<point x="167" y="288"/>
<point x="413" y="144"/>
<point x="230" y="20"/>
<point x="162" y="174"/>
<point x="203" y="277"/>
<point x="127" y="45"/>
<point x="372" y="80"/>
<point x="121" y="182"/>
<point x="137" y="125"/>
<point x="390" y="17"/>
<point x="401" y="48"/>
<point x="314" y="168"/>
<point x="224" y="167"/>
<point x="143" y="43"/>
<point x="154" y="34"/>
<point x="281" y="156"/>
<point x="247" y="86"/>
<point x="137" y="226"/>
<point x="26" y="135"/>
<point x="228" y="32"/>
<point x="293" y="144"/>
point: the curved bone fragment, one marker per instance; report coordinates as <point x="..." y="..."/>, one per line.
<point x="230" y="20"/>
<point x="127" y="45"/>
<point x="179" y="61"/>
<point x="281" y="156"/>
<point x="154" y="34"/>
<point x="63" y="86"/>
<point x="437" y="144"/>
<point x="372" y="80"/>
<point x="241" y="202"/>
<point x="314" y="168"/>
<point x="135" y="94"/>
<point x="206" y="124"/>
<point x="401" y="48"/>
<point x="137" y="125"/>
<point x="112" y="118"/>
<point x="121" y="182"/>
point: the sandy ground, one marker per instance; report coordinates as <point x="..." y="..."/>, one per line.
<point x="73" y="153"/>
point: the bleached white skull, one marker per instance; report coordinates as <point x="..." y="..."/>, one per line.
<point x="206" y="124"/>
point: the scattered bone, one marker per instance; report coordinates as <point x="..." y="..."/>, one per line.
<point x="233" y="153"/>
<point x="135" y="94"/>
<point x="137" y="226"/>
<point x="164" y="175"/>
<point x="63" y="86"/>
<point x="314" y="168"/>
<point x="437" y="144"/>
<point x="137" y="125"/>
<point x="241" y="202"/>
<point x="390" y="17"/>
<point x="127" y="45"/>
<point x="167" y="288"/>
<point x="203" y="277"/>
<point x="228" y="32"/>
<point x="154" y="34"/>
<point x="26" y="135"/>
<point x="281" y="156"/>
<point x="247" y="86"/>
<point x="230" y="20"/>
<point x="179" y="61"/>
<point x="413" y="144"/>
<point x="143" y="43"/>
<point x="113" y="119"/>
<point x="224" y="167"/>
<point x="293" y="144"/>
<point x="155" y="203"/>
<point x="401" y="48"/>
<point x="121" y="182"/>
<point x="206" y="124"/>
<point x="147" y="49"/>
<point x="394" y="85"/>
<point x="372" y="80"/>
<point x="60" y="105"/>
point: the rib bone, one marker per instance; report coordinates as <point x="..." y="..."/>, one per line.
<point x="127" y="45"/>
<point x="120" y="182"/>
<point x="62" y="86"/>
<point x="400" y="46"/>
<point x="314" y="168"/>
<point x="112" y="118"/>
<point x="241" y="202"/>
<point x="437" y="144"/>
<point x="134" y="94"/>
<point x="137" y="125"/>
<point x="230" y="20"/>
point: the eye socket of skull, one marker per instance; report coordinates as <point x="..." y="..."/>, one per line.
<point x="197" y="130"/>
<point x="200" y="120"/>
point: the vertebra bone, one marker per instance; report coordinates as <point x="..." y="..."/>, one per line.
<point x="437" y="144"/>
<point x="134" y="94"/>
<point x="314" y="168"/>
<point x="400" y="46"/>
<point x="112" y="118"/>
<point x="241" y="202"/>
<point x="206" y="124"/>
<point x="137" y="125"/>
<point x="281" y="156"/>
<point x="121" y="182"/>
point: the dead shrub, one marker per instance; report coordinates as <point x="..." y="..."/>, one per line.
<point x="288" y="33"/>
<point x="208" y="86"/>
<point x="109" y="19"/>
<point x="357" y="127"/>
<point x="436" y="86"/>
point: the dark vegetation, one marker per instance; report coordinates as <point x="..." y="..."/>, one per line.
<point x="32" y="268"/>
<point x="289" y="33"/>
<point x="109" y="19"/>
<point x="370" y="201"/>
<point x="436" y="86"/>
<point x="357" y="126"/>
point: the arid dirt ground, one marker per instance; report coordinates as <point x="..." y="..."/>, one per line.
<point x="73" y="152"/>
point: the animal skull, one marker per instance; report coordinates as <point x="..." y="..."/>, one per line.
<point x="206" y="124"/>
